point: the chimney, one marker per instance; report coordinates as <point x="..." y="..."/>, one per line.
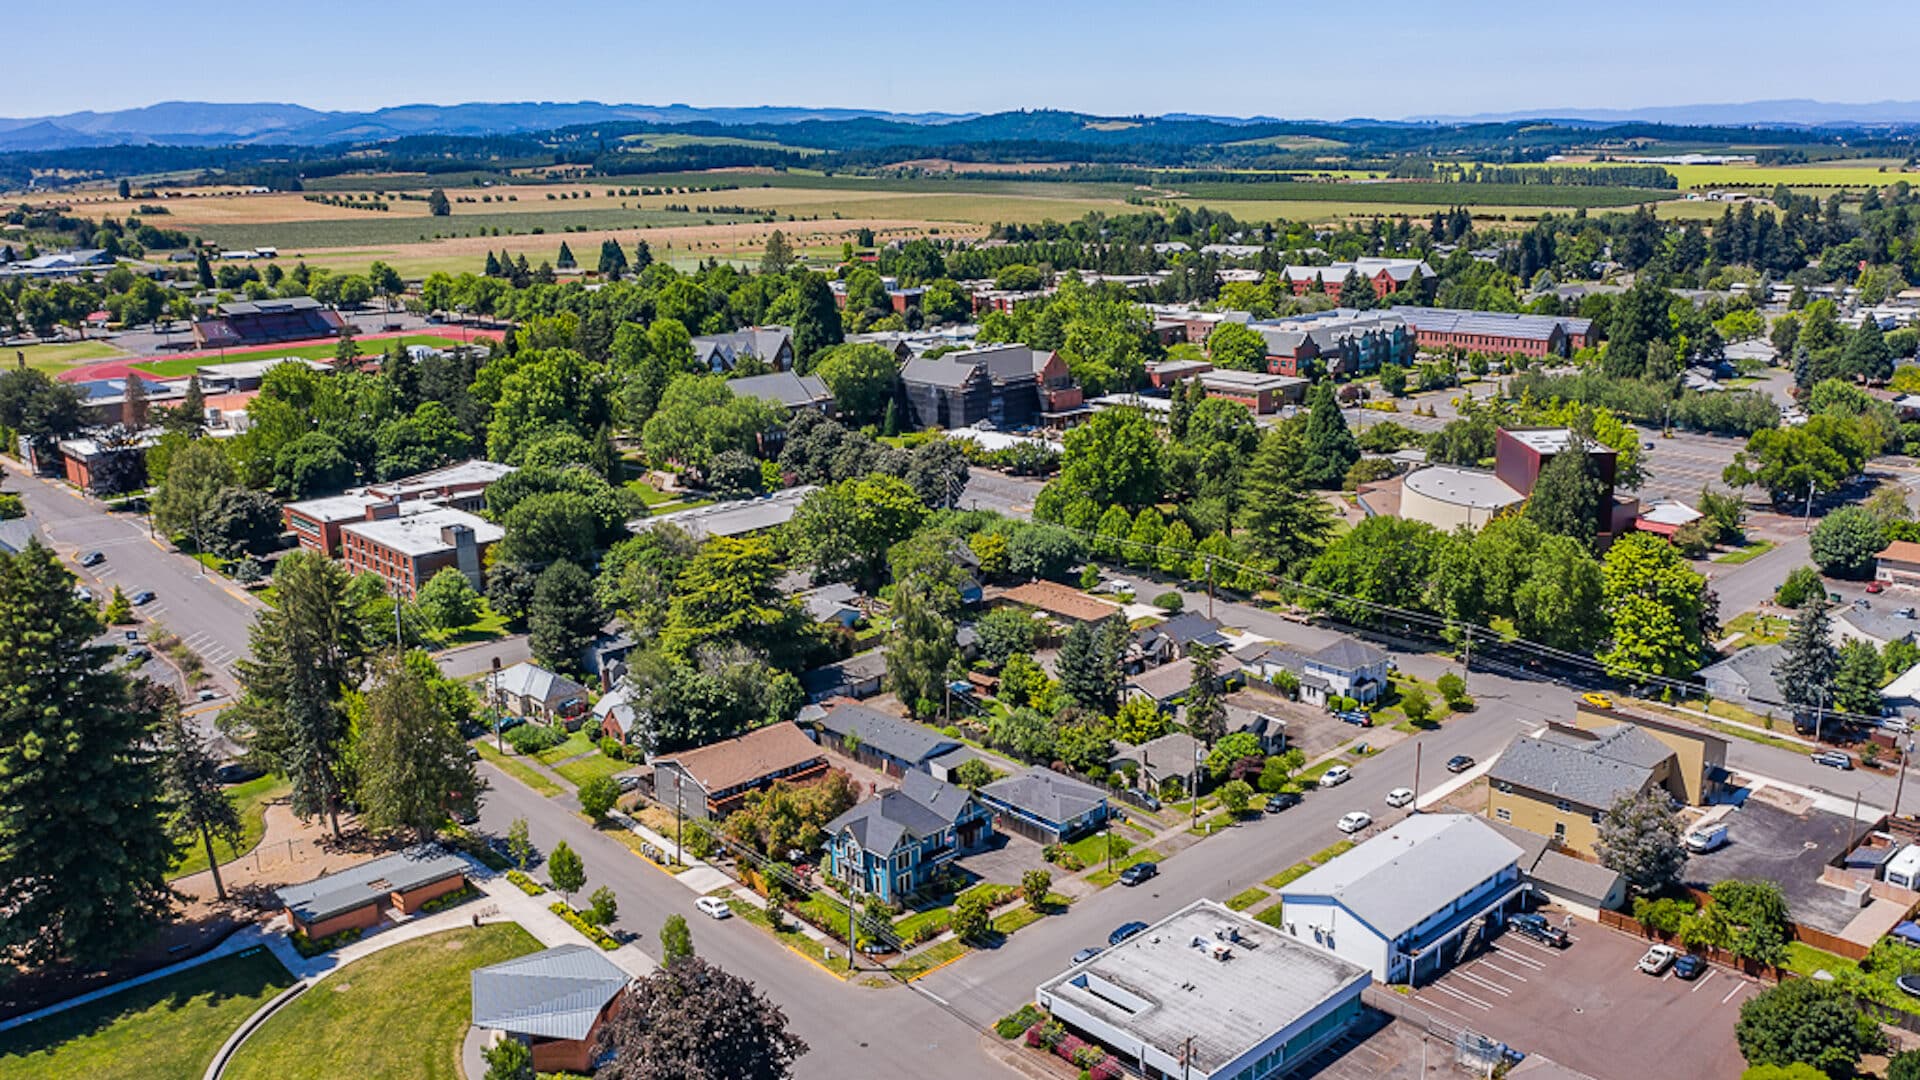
<point x="383" y="511"/>
<point x="466" y="554"/>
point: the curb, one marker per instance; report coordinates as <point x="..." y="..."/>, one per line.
<point x="252" y="1024"/>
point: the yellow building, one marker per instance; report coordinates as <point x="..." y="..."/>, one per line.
<point x="1558" y="783"/>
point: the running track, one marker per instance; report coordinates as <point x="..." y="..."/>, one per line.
<point x="113" y="369"/>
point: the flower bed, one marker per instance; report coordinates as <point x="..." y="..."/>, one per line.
<point x="441" y="903"/>
<point x="310" y="948"/>
<point x="594" y="934"/>
<point x="527" y="885"/>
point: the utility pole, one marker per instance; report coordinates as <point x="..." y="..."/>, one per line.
<point x="493" y="703"/>
<point x="1209" y="586"/>
<point x="1808" y="522"/>
<point x="1901" y="784"/>
<point x="1466" y="661"/>
<point x="678" y="816"/>
<point x="853" y="948"/>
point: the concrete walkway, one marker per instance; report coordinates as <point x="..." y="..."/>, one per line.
<point x="241" y="940"/>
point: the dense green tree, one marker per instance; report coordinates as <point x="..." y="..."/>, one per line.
<point x="564" y="618"/>
<point x="727" y="595"/>
<point x="549" y="526"/>
<point x="1801" y="582"/>
<point x="815" y="318"/>
<point x="546" y="390"/>
<point x="1282" y="522"/>
<point x="1327" y="448"/>
<point x="1237" y="347"/>
<point x="510" y="588"/>
<point x="860" y="378"/>
<point x="1205" y="709"/>
<point x="1089" y="664"/>
<point x="1003" y="632"/>
<point x="921" y="652"/>
<point x="1856" y="684"/>
<point x="448" y="600"/>
<point x="243" y="522"/>
<point x="1639" y="838"/>
<point x="699" y="417"/>
<point x="308" y="649"/>
<point x="1819" y="456"/>
<point x="676" y="940"/>
<point x="437" y="204"/>
<point x="1382" y="562"/>
<point x="597" y="796"/>
<point x="313" y="464"/>
<point x="197" y="474"/>
<point x="1806" y="1020"/>
<point x="509" y="1059"/>
<point x="845" y="530"/>
<point x="1655" y="601"/>
<point x="1846" y="541"/>
<point x="1559" y="603"/>
<point x="410" y="762"/>
<point x="1569" y="496"/>
<point x="83" y="844"/>
<point x="1113" y="458"/>
<point x="566" y="870"/>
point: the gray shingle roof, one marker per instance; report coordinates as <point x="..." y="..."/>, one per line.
<point x="920" y="807"/>
<point x="1046" y="794"/>
<point x="1397" y="879"/>
<point x="1347" y="654"/>
<point x="940" y="371"/>
<point x="554" y="994"/>
<point x="1750" y="668"/>
<point x="1567" y="771"/>
<point x="370" y="882"/>
<point x="877" y="731"/>
<point x="782" y="388"/>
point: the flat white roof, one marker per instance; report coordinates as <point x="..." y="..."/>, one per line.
<point x="1247" y="380"/>
<point x="1671" y="512"/>
<point x="251" y="369"/>
<point x="1543" y="440"/>
<point x="418" y="533"/>
<point x="349" y="507"/>
<point x="1474" y="488"/>
<point x="1904" y="688"/>
<point x="1132" y="401"/>
<point x="1168" y="983"/>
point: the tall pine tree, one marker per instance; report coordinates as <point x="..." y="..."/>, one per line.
<point x="202" y="813"/>
<point x="1808" y="661"/>
<point x="83" y="844"/>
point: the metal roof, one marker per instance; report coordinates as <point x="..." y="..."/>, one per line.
<point x="920" y="807"/>
<point x="530" y="680"/>
<point x="782" y="388"/>
<point x="370" y="882"/>
<point x="1394" y="881"/>
<point x="556" y="994"/>
<point x="1474" y="488"/>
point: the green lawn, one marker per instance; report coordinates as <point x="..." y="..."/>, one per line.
<point x="1245" y="899"/>
<point x="580" y="742"/>
<point x="398" y="1014"/>
<point x="792" y="939"/>
<point x="1092" y="849"/>
<point x="56" y="358"/>
<point x="929" y="958"/>
<point x="1270" y="916"/>
<point x="1747" y="553"/>
<point x="187" y="365"/>
<point x="251" y="799"/>
<point x="519" y="770"/>
<point x="1301" y="868"/>
<point x="168" y="1029"/>
<point x="1756" y="629"/>
<point x="579" y="772"/>
<point x="489" y="627"/>
<point x="1103" y="878"/>
<point x="1019" y="917"/>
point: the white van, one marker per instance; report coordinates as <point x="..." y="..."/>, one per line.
<point x="1903" y="869"/>
<point x="1705" y="838"/>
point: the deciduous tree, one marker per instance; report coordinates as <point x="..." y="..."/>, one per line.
<point x="693" y="1021"/>
<point x="1640" y="839"/>
<point x="409" y="759"/>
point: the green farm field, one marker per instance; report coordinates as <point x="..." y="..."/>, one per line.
<point x="672" y="140"/>
<point x="376" y="228"/>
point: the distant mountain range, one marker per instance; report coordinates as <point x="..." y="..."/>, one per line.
<point x="208" y="124"/>
<point x="1784" y="112"/>
<point x="199" y="123"/>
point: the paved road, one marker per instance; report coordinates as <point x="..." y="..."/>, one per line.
<point x="852" y="1030"/>
<point x="209" y="613"/>
<point x="1009" y="495"/>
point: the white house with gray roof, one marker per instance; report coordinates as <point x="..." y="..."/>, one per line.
<point x="1345" y="668"/>
<point x="1404" y="904"/>
<point x="1209" y="994"/>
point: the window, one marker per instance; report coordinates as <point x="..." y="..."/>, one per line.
<point x="1563" y="806"/>
<point x="1503" y="814"/>
<point x="1560" y="831"/>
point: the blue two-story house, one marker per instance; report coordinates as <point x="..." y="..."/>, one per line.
<point x="893" y="845"/>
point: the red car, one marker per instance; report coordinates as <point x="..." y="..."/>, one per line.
<point x="1876" y="586"/>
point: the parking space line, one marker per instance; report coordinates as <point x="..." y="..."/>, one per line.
<point x="1704" y="980"/>
<point x="1451" y="992"/>
<point x="1524" y="961"/>
<point x="1736" y="989"/>
<point x="1486" y="983"/>
<point x="1503" y="971"/>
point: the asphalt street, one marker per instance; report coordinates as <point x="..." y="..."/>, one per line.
<point x="851" y="1030"/>
<point x="209" y="613"/>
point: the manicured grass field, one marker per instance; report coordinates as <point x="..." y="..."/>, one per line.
<point x="251" y="798"/>
<point x="515" y="768"/>
<point x="1745" y="553"/>
<point x="398" y="1014"/>
<point x="598" y="764"/>
<point x="187" y="365"/>
<point x="54" y="359"/>
<point x="168" y="1029"/>
<point x="580" y="742"/>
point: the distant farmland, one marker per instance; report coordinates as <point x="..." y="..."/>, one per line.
<point x="1431" y="195"/>
<point x="382" y="230"/>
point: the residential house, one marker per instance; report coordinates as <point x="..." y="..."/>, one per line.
<point x="1403" y="904"/>
<point x="719" y="353"/>
<point x="896" y="844"/>
<point x="555" y="1001"/>
<point x="1175" y="638"/>
<point x="529" y="691"/>
<point x="1173" y="756"/>
<point x="1009" y="386"/>
<point x="1210" y="994"/>
<point x="1167" y="685"/>
<point x="1582" y="886"/>
<point x="1746" y="677"/>
<point x="1060" y="602"/>
<point x="712" y="781"/>
<point x="1346" y="668"/>
<point x="359" y="896"/>
<point x="859" y="676"/>
<point x="1045" y="806"/>
<point x="617" y="717"/>
<point x="834" y="604"/>
<point x="883" y="742"/>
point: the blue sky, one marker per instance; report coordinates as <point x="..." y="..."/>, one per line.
<point x="1387" y="58"/>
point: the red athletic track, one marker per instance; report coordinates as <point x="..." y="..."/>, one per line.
<point x="113" y="369"/>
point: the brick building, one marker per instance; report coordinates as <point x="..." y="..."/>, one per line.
<point x="1012" y="386"/>
<point x="1498" y="332"/>
<point x="1385" y="275"/>
<point x="316" y="523"/>
<point x="406" y="544"/>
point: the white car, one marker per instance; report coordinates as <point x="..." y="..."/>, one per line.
<point x="714" y="907"/>
<point x="1399" y="796"/>
<point x="1355" y="821"/>
<point x="1658" y="960"/>
<point x="1336" y="776"/>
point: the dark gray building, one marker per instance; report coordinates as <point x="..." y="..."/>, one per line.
<point x="1012" y="386"/>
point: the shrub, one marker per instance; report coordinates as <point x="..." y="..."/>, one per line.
<point x="613" y="749"/>
<point x="310" y="948"/>
<point x="1453" y="689"/>
<point x="1663" y="916"/>
<point x="1013" y="1024"/>
<point x="527" y="885"/>
<point x="533" y="738"/>
<point x="441" y="903"/>
<point x="593" y="933"/>
<point x="1169" y="602"/>
<point x="598" y="795"/>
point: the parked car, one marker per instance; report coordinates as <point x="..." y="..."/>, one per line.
<point x="1124" y="931"/>
<point x="1139" y="872"/>
<point x="1539" y="929"/>
<point x="83" y="594"/>
<point x="1689" y="966"/>
<point x="1087" y="954"/>
<point x="142" y="598"/>
<point x="1355" y="717"/>
<point x="93" y="558"/>
<point x="714" y="907"/>
<point x="1863" y="603"/>
<point x="626" y="782"/>
<point x="1658" y="960"/>
<point x="1399" y="796"/>
<point x="1459" y="763"/>
<point x="1876" y="587"/>
<point x="1897" y="724"/>
<point x="1705" y="838"/>
<point x="1354" y="822"/>
<point x="1834" y="759"/>
<point x="138" y="653"/>
<point x="1336" y="776"/>
<point x="1283" y="800"/>
<point x="1904" y="613"/>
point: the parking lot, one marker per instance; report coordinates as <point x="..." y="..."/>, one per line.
<point x="1587" y="1007"/>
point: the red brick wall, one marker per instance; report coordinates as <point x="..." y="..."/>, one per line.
<point x="410" y="902"/>
<point x="359" y="917"/>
